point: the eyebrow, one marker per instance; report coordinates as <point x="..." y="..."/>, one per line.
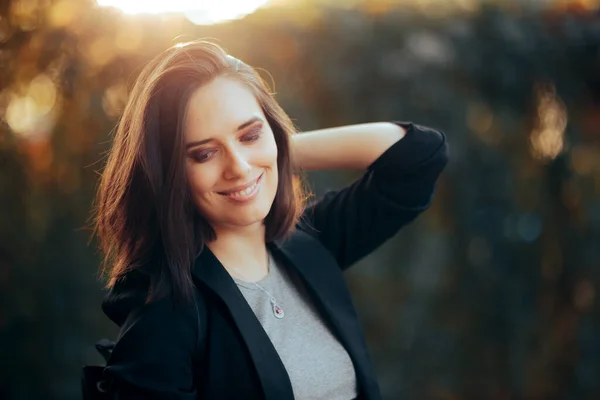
<point x="239" y="128"/>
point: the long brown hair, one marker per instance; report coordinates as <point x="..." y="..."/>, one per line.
<point x="145" y="219"/>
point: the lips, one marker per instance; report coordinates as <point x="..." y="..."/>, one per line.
<point x="242" y="190"/>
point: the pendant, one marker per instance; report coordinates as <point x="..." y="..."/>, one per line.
<point x="278" y="311"/>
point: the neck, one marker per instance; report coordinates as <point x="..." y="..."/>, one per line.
<point x="242" y="249"/>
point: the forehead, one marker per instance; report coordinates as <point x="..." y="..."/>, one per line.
<point x="219" y="107"/>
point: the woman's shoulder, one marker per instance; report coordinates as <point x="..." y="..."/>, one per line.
<point x="127" y="304"/>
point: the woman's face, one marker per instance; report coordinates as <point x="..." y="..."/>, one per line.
<point x="231" y="161"/>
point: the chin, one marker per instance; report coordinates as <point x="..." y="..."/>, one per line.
<point x="241" y="218"/>
<point x="250" y="218"/>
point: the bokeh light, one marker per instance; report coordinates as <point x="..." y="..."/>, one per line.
<point x="29" y="114"/>
<point x="547" y="139"/>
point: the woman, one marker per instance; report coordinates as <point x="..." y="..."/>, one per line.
<point x="224" y="285"/>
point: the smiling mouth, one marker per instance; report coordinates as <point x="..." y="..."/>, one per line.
<point x="244" y="190"/>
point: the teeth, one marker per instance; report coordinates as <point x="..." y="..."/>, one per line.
<point x="244" y="192"/>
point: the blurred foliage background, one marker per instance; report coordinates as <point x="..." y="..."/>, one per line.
<point x="492" y="294"/>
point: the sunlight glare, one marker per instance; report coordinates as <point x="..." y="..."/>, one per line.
<point x="197" y="12"/>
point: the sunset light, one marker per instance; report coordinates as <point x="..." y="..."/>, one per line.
<point x="198" y="12"/>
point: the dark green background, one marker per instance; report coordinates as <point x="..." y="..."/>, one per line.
<point x="492" y="294"/>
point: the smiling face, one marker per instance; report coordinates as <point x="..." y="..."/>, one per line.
<point x="231" y="155"/>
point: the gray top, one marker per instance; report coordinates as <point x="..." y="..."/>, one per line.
<point x="318" y="365"/>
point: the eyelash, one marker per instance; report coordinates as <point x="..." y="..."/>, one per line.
<point x="253" y="136"/>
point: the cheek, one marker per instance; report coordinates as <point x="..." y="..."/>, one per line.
<point x="201" y="180"/>
<point x="273" y="175"/>
<point x="270" y="153"/>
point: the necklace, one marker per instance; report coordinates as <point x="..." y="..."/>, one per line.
<point x="277" y="310"/>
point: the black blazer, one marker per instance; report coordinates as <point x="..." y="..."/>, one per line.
<point x="216" y="348"/>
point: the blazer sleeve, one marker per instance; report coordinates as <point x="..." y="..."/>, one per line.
<point x="396" y="188"/>
<point x="153" y="356"/>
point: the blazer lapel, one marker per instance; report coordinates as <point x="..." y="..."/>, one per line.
<point x="326" y="283"/>
<point x="273" y="375"/>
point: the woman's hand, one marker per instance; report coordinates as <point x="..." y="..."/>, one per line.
<point x="345" y="147"/>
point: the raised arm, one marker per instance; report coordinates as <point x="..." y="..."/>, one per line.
<point x="403" y="161"/>
<point x="347" y="147"/>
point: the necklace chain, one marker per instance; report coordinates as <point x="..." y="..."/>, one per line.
<point x="277" y="310"/>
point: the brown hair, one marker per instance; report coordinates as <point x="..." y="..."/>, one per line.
<point x="145" y="219"/>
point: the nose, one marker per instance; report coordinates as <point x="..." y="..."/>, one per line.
<point x="237" y="166"/>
